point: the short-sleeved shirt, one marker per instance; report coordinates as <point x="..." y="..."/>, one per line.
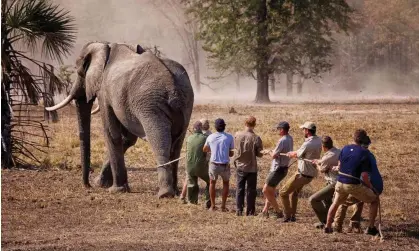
<point x="284" y="145"/>
<point x="327" y="162"/>
<point x="195" y="157"/>
<point x="248" y="146"/>
<point x="354" y="160"/>
<point x="310" y="150"/>
<point x="220" y="144"/>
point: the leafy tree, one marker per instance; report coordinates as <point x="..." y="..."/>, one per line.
<point x="32" y="25"/>
<point x="265" y="36"/>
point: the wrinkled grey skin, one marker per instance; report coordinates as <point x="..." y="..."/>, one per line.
<point x="138" y="96"/>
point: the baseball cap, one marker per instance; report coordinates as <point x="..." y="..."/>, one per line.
<point x="283" y="124"/>
<point x="219" y="122"/>
<point x="308" y="125"/>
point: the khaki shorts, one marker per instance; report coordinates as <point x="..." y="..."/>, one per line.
<point x="219" y="169"/>
<point x="359" y="191"/>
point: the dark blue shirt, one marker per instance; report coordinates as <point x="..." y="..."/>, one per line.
<point x="375" y="176"/>
<point x="354" y="160"/>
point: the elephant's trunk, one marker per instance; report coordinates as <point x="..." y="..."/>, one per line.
<point x="83" y="111"/>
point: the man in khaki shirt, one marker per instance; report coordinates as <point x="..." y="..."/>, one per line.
<point x="309" y="150"/>
<point x="322" y="199"/>
<point x="248" y="147"/>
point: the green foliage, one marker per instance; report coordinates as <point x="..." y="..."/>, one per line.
<point x="299" y="33"/>
<point x="31" y="25"/>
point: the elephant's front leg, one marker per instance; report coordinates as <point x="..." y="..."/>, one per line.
<point x="114" y="143"/>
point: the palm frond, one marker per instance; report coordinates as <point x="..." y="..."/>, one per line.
<point x="41" y="23"/>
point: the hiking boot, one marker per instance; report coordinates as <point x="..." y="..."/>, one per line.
<point x="278" y="215"/>
<point x="208" y="204"/>
<point x="293" y="219"/>
<point x="328" y="230"/>
<point x="287" y="220"/>
<point x="183" y="200"/>
<point x="250" y="213"/>
<point x="319" y="225"/>
<point x="372" y="231"/>
<point x="264" y="215"/>
<point x="239" y="213"/>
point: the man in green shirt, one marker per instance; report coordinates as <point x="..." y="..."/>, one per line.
<point x="196" y="164"/>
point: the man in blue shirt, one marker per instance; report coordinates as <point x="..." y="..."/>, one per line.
<point x="377" y="183"/>
<point x="221" y="146"/>
<point x="354" y="162"/>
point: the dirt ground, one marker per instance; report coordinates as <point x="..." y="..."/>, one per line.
<point x="46" y="208"/>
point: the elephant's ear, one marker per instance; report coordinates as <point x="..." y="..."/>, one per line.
<point x="94" y="65"/>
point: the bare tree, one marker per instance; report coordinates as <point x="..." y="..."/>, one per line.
<point x="186" y="28"/>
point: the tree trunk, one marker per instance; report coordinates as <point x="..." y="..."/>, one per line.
<point x="300" y="85"/>
<point x="196" y="67"/>
<point x="6" y="118"/>
<point x="289" y="83"/>
<point x="237" y="81"/>
<point x="6" y="102"/>
<point x="272" y="80"/>
<point x="262" y="71"/>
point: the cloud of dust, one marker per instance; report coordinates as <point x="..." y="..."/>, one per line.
<point x="139" y="22"/>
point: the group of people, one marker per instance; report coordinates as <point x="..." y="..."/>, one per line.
<point x="351" y="174"/>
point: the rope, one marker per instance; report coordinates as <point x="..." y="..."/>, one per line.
<point x="170" y="162"/>
<point x="379" y="204"/>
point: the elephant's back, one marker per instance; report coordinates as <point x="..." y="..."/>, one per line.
<point x="182" y="96"/>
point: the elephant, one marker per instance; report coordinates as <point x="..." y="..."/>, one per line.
<point x="140" y="96"/>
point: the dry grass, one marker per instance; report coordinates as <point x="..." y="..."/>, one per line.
<point x="49" y="210"/>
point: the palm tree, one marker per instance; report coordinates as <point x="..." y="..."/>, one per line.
<point x="32" y="25"/>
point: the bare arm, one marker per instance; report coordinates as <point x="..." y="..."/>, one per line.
<point x="206" y="149"/>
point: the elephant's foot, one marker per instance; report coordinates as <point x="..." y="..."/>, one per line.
<point x="119" y="189"/>
<point x="166" y="192"/>
<point x="101" y="181"/>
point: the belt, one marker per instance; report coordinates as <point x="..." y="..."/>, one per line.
<point x="306" y="176"/>
<point x="220" y="164"/>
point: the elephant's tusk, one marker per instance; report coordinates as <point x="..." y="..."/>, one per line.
<point x="96" y="110"/>
<point x="63" y="103"/>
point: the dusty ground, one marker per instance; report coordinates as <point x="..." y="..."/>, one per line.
<point x="47" y="208"/>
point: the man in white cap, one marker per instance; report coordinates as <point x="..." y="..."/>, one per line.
<point x="309" y="150"/>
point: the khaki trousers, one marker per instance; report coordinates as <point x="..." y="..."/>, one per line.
<point x="355" y="220"/>
<point x="291" y="189"/>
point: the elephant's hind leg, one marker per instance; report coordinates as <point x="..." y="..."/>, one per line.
<point x="175" y="153"/>
<point x="105" y="178"/>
